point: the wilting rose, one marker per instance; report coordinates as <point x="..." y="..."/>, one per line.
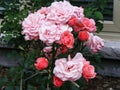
<point x="41" y="63"/>
<point x="88" y="71"/>
<point x="83" y="35"/>
<point x="78" y="12"/>
<point x="67" y="39"/>
<point x="57" y="81"/>
<point x="69" y="69"/>
<point x="95" y="43"/>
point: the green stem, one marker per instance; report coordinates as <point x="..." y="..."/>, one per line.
<point x="34" y="75"/>
<point x="21" y="81"/>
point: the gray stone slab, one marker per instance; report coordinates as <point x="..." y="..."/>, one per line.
<point x="111" y="50"/>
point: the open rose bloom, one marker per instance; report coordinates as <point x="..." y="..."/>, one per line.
<point x="63" y="33"/>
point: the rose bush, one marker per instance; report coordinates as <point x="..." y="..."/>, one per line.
<point x="58" y="42"/>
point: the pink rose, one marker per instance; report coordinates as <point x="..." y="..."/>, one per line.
<point x="48" y="32"/>
<point x="69" y="69"/>
<point x="57" y="82"/>
<point x="78" y="12"/>
<point x="72" y="21"/>
<point x="95" y="43"/>
<point x="30" y="25"/>
<point x="43" y="10"/>
<point x="41" y="63"/>
<point x="60" y="12"/>
<point x="85" y="24"/>
<point x="88" y="71"/>
<point x="67" y="39"/>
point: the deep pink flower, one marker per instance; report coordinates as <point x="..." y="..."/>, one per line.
<point x="83" y="36"/>
<point x="67" y="39"/>
<point x="57" y="81"/>
<point x="85" y="24"/>
<point x="41" y="63"/>
<point x="88" y="70"/>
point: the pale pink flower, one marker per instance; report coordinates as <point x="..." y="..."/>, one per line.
<point x="67" y="39"/>
<point x="95" y="43"/>
<point x="69" y="69"/>
<point x="78" y="12"/>
<point x="60" y="12"/>
<point x="43" y="10"/>
<point x="30" y="25"/>
<point x="50" y="32"/>
<point x="88" y="70"/>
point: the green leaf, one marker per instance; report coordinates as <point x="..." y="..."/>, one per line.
<point x="98" y="15"/>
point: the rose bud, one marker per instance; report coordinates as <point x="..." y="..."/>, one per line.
<point x="83" y="35"/>
<point x="41" y="63"/>
<point x="72" y="21"/>
<point x="63" y="49"/>
<point x="57" y="82"/>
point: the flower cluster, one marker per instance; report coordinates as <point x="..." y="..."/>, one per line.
<point x="63" y="29"/>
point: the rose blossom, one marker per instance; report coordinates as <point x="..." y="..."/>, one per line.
<point x="57" y="82"/>
<point x="30" y="25"/>
<point x="88" y="70"/>
<point x="41" y="63"/>
<point x="60" y="12"/>
<point x="72" y="21"/>
<point x="85" y="24"/>
<point x="69" y="69"/>
<point x="67" y="39"/>
<point x="95" y="43"/>
<point x="78" y="12"/>
<point x="83" y="35"/>
<point x="50" y="32"/>
<point x="43" y="10"/>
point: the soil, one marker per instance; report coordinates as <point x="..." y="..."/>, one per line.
<point x="103" y="83"/>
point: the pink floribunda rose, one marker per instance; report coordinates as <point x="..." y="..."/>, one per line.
<point x="85" y="24"/>
<point x="67" y="39"/>
<point x="88" y="70"/>
<point x="57" y="82"/>
<point x="50" y="32"/>
<point x="43" y="10"/>
<point x="69" y="69"/>
<point x="78" y="12"/>
<point x="95" y="43"/>
<point x="41" y="63"/>
<point x="72" y="21"/>
<point x="30" y="25"/>
<point x="60" y="12"/>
